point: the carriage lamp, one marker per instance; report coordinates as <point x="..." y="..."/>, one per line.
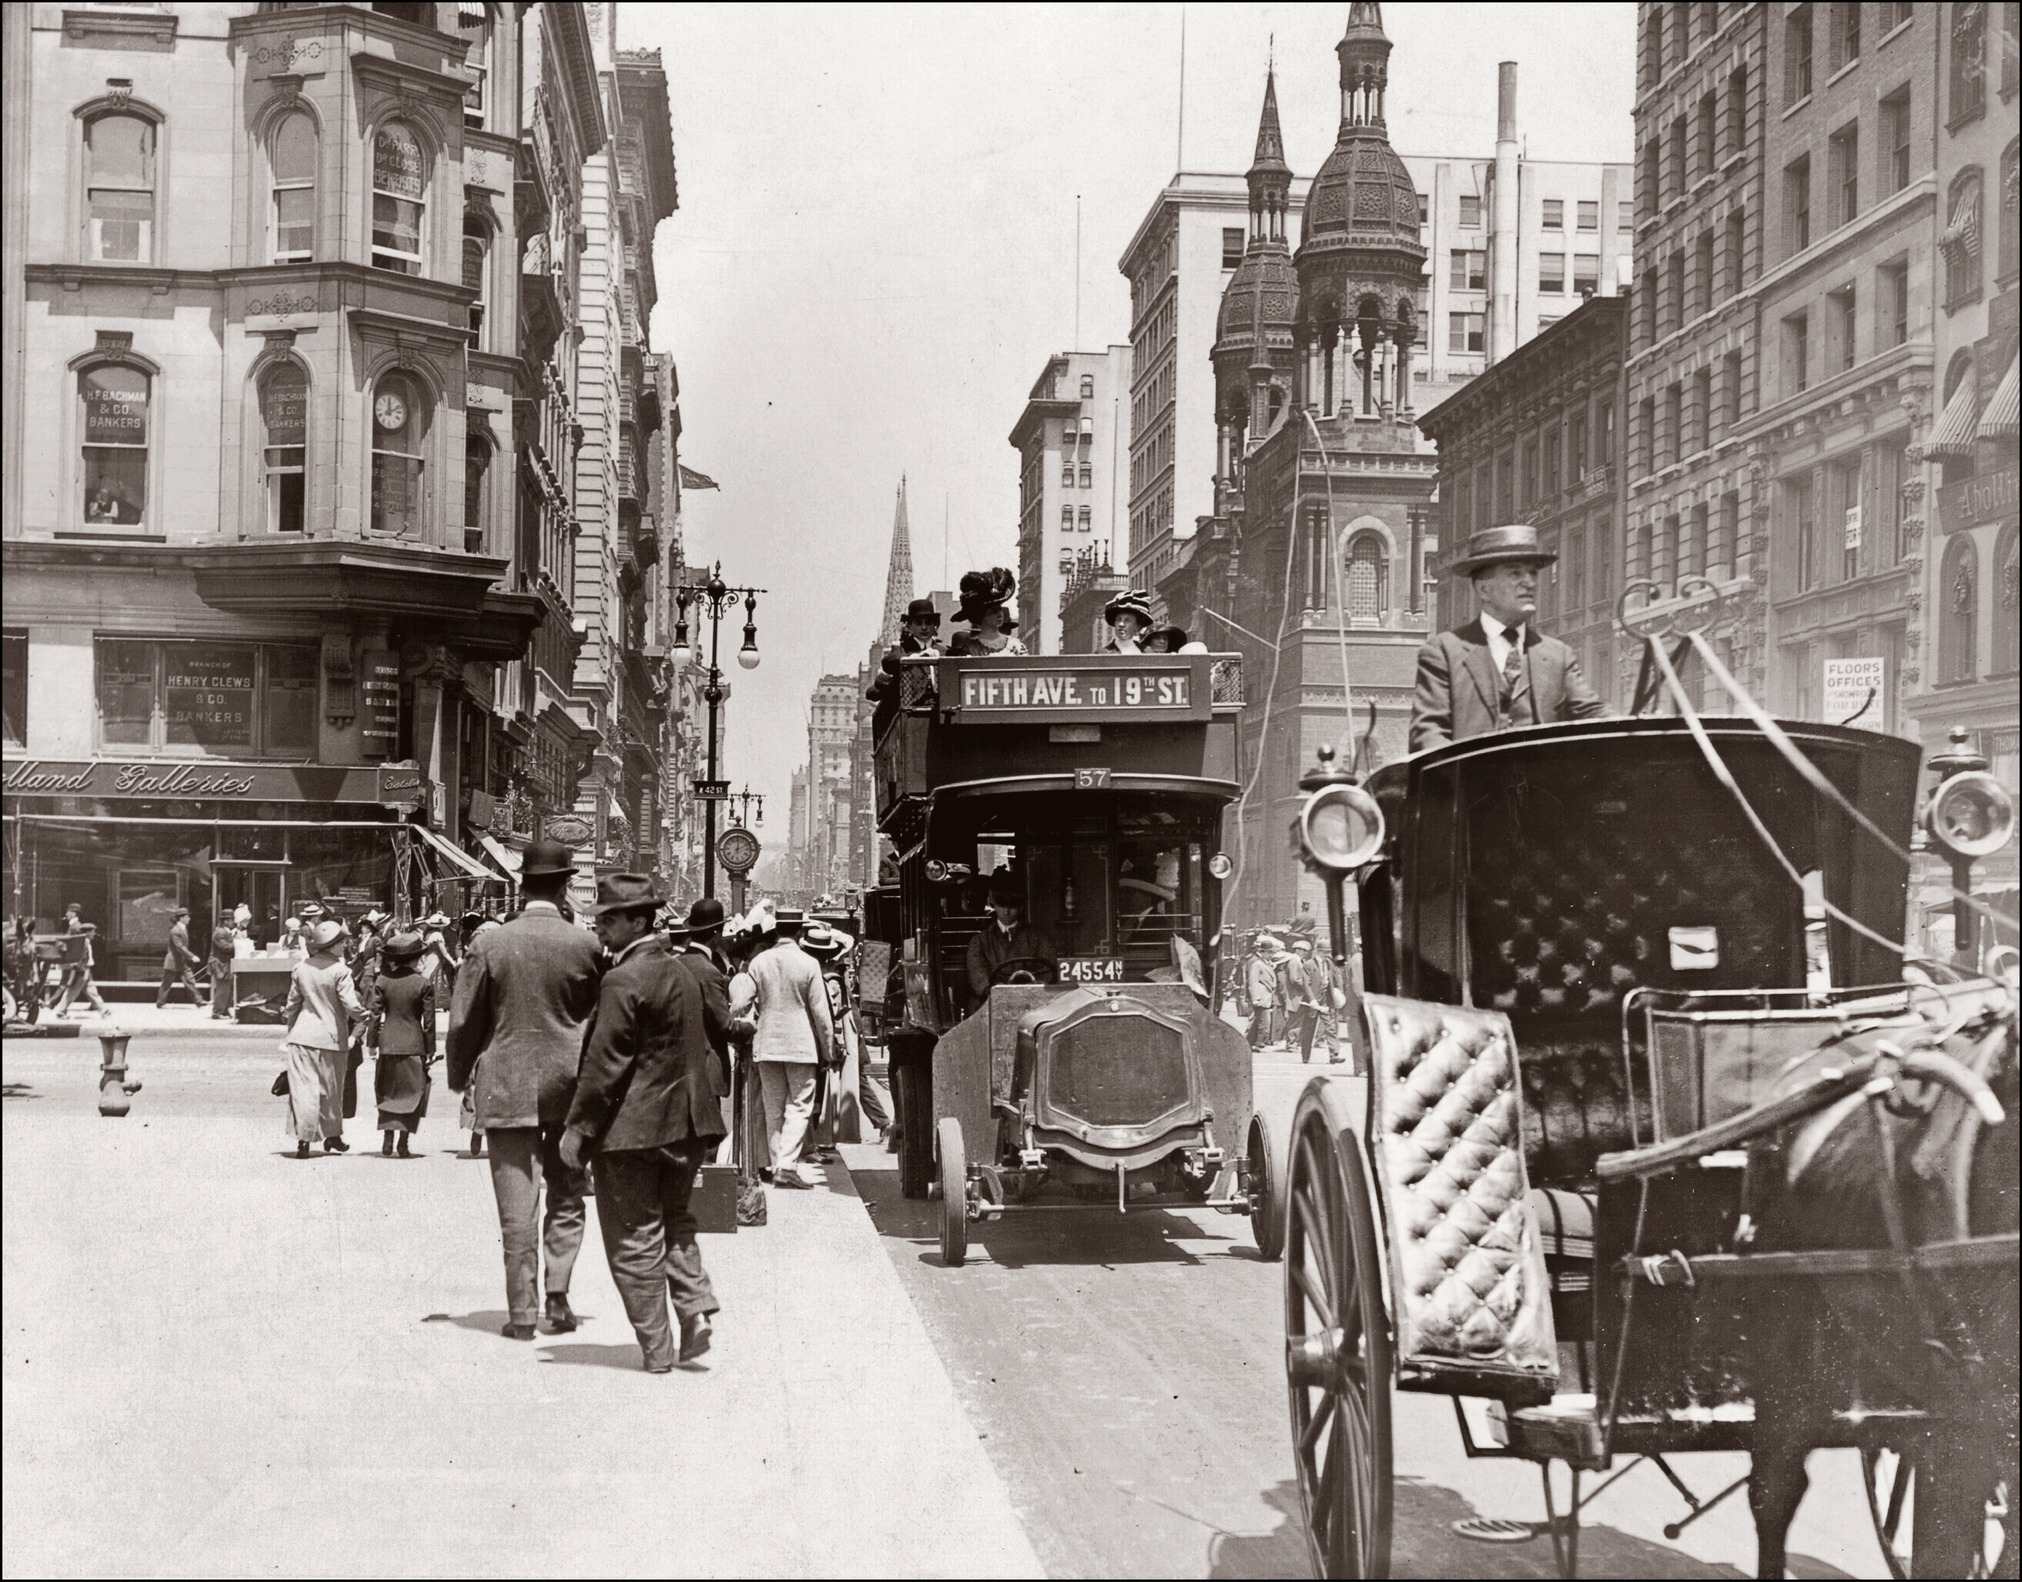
<point x="1340" y="828"/>
<point x="1220" y="866"/>
<point x="1970" y="816"/>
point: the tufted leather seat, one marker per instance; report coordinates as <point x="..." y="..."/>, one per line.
<point x="1467" y="1268"/>
<point x="1566" y="915"/>
<point x="1575" y="1106"/>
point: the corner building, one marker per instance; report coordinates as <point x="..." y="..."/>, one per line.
<point x="266" y="577"/>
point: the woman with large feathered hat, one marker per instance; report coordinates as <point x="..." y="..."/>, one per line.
<point x="986" y="606"/>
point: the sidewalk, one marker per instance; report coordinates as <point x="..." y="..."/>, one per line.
<point x="176" y="1020"/>
<point x="218" y="1361"/>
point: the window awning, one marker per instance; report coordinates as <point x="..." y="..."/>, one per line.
<point x="502" y="854"/>
<point x="469" y="867"/>
<point x="1952" y="434"/>
<point x="1999" y="420"/>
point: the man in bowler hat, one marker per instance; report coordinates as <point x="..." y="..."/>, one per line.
<point x="919" y="637"/>
<point x="648" y="1108"/>
<point x="523" y="995"/>
<point x="1498" y="671"/>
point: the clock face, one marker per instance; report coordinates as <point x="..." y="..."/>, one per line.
<point x="391" y="411"/>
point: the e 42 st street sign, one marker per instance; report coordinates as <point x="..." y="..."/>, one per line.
<point x="712" y="790"/>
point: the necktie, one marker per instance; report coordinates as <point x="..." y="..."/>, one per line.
<point x="1512" y="667"/>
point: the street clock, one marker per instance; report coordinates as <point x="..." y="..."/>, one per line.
<point x="737" y="850"/>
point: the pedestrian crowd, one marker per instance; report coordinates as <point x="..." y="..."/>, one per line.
<point x="1288" y="989"/>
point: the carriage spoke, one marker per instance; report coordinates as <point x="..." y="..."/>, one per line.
<point x="1317" y="1424"/>
<point x="1323" y="1310"/>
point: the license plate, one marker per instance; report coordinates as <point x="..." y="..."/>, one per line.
<point x="1091" y="969"/>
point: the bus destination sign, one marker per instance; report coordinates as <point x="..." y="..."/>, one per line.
<point x="1120" y="687"/>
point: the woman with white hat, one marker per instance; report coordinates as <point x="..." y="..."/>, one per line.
<point x="322" y="1004"/>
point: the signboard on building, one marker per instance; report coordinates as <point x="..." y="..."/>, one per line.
<point x="206" y="780"/>
<point x="1974" y="502"/>
<point x="570" y="831"/>
<point x="1853" y="527"/>
<point x="712" y="790"/>
<point x="208" y="694"/>
<point x="1118" y="688"/>
<point x="1853" y="692"/>
<point x="379" y="723"/>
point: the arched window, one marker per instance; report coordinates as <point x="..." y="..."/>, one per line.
<point x="113" y="398"/>
<point x="476" y="251"/>
<point x="476" y="473"/>
<point x="1958" y="607"/>
<point x="1962" y="240"/>
<point x="284" y="422"/>
<point x="1368" y="579"/>
<point x="2007" y="605"/>
<point x="400" y="419"/>
<point x="119" y="152"/>
<point x="397" y="208"/>
<point x="1969" y="61"/>
<point x="294" y="165"/>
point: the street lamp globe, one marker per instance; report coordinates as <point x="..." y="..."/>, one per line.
<point x="747" y="656"/>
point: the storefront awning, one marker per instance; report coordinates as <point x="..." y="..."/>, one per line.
<point x="469" y="867"/>
<point x="1952" y="435"/>
<point x="1999" y="420"/>
<point x="507" y="859"/>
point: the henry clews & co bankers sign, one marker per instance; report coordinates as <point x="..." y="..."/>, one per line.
<point x="208" y="782"/>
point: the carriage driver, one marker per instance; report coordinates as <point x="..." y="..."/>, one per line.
<point x="1498" y="671"/>
<point x="1008" y="938"/>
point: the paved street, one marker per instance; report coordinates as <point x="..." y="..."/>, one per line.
<point x="1089" y="1396"/>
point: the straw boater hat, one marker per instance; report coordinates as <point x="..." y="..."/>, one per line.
<point x="1495" y="546"/>
<point x="825" y="943"/>
<point x="1133" y="602"/>
<point x="325" y="934"/>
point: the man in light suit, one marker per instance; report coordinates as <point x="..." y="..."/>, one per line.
<point x="1498" y="671"/>
<point x="523" y="996"/>
<point x="795" y="1032"/>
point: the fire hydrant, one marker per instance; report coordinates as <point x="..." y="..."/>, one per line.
<point x="114" y="1091"/>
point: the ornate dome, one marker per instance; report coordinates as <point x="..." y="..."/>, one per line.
<point x="1363" y="195"/>
<point x="1263" y="294"/>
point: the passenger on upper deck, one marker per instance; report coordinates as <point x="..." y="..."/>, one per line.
<point x="1515" y="675"/>
<point x="919" y="636"/>
<point x="1129" y="618"/>
<point x="986" y="606"/>
<point x="1008" y="938"/>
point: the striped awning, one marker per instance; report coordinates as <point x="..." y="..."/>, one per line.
<point x="1999" y="420"/>
<point x="1952" y="434"/>
<point x="470" y="13"/>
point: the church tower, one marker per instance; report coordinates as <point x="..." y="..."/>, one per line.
<point x="1360" y="261"/>
<point x="1254" y="357"/>
<point x="899" y="575"/>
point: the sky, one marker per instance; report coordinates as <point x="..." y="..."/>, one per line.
<point x="875" y="253"/>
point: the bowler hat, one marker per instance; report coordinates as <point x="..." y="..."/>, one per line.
<point x="1133" y="602"/>
<point x="1494" y="546"/>
<point x="403" y="946"/>
<point x="179" y="911"/>
<point x="626" y="892"/>
<point x="705" y="915"/>
<point x="1005" y="888"/>
<point x="546" y="857"/>
<point x="923" y="610"/>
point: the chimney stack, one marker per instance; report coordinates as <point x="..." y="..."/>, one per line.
<point x="1502" y="234"/>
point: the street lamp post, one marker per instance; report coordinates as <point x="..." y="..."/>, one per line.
<point x="714" y="599"/>
<point x="744" y="799"/>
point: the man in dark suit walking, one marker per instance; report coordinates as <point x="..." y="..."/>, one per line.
<point x="648" y="1108"/>
<point x="523" y="995"/>
<point x="1498" y="671"/>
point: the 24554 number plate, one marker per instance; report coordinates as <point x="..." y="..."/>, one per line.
<point x="1091" y="969"/>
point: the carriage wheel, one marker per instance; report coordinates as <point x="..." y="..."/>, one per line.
<point x="1890" y="1479"/>
<point x="910" y="1086"/>
<point x="1338" y="1358"/>
<point x="1267" y="1193"/>
<point x="954" y="1192"/>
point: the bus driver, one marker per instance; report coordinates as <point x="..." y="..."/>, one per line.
<point x="1008" y="938"/>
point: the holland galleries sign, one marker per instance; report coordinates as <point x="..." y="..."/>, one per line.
<point x="207" y="782"/>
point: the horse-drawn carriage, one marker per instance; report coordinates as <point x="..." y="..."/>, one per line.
<point x="1666" y="1145"/>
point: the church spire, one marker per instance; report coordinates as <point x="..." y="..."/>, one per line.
<point x="899" y="578"/>
<point x="1270" y="178"/>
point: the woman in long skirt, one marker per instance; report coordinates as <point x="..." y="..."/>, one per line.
<point x="403" y="1005"/>
<point x="322" y="1004"/>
